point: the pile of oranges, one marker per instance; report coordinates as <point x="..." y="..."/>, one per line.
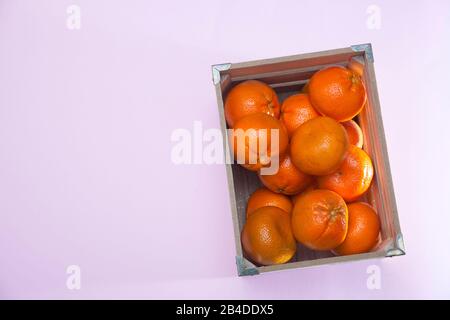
<point x="315" y="197"/>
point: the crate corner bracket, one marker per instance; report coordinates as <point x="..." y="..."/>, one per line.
<point x="245" y="268"/>
<point x="365" y="47"/>
<point x="216" y="69"/>
<point x="398" y="248"/>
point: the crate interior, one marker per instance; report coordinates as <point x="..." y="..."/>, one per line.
<point x="288" y="82"/>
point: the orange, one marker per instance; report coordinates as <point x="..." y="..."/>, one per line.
<point x="250" y="97"/>
<point x="305" y="88"/>
<point x="311" y="187"/>
<point x="354" y="132"/>
<point x="263" y="197"/>
<point x="353" y="177"/>
<point x="267" y="236"/>
<point x="251" y="140"/>
<point x="363" y="230"/>
<point x="295" y="197"/>
<point x="296" y="110"/>
<point x="318" y="146"/>
<point x="337" y="92"/>
<point x="288" y="180"/>
<point x="320" y="219"/>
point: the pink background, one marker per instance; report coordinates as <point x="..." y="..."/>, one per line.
<point x="86" y="117"/>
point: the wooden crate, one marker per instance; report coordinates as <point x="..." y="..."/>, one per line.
<point x="287" y="75"/>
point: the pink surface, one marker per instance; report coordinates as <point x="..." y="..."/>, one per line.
<point x="86" y="117"/>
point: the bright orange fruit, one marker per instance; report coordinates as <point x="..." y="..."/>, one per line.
<point x="248" y="97"/>
<point x="363" y="230"/>
<point x="312" y="186"/>
<point x="263" y="197"/>
<point x="254" y="131"/>
<point x="295" y="111"/>
<point x="353" y="177"/>
<point x="337" y="92"/>
<point x="320" y="219"/>
<point x="267" y="236"/>
<point x="354" y="132"/>
<point x="318" y="146"/>
<point x="288" y="180"/>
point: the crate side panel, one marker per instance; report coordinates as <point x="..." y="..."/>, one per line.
<point x="322" y="261"/>
<point x="380" y="194"/>
<point x="291" y="62"/>
<point x="245" y="183"/>
<point x="388" y="190"/>
<point x="288" y="75"/>
<point x="228" y="167"/>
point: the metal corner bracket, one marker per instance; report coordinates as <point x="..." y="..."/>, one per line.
<point x="398" y="248"/>
<point x="245" y="268"/>
<point x="216" y="69"/>
<point x="365" y="47"/>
